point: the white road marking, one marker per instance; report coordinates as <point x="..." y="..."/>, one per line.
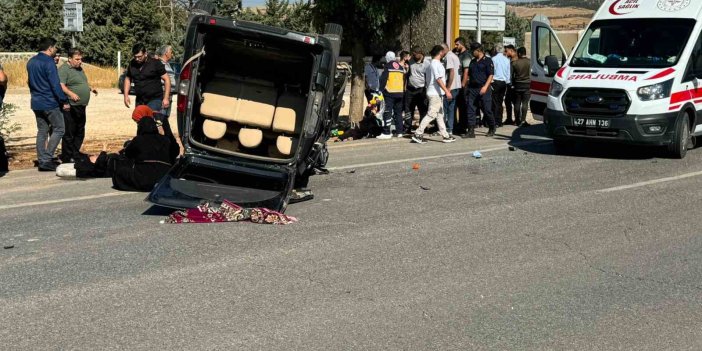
<point x="390" y="162"/>
<point x="650" y="182"/>
<point x="70" y="199"/>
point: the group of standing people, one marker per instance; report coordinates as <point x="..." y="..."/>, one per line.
<point x="466" y="80"/>
<point x="60" y="96"/>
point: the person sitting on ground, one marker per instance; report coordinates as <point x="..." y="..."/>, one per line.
<point x="142" y="162"/>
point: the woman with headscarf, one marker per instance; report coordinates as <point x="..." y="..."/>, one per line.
<point x="142" y="162"/>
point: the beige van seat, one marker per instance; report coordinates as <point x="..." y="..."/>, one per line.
<point x="248" y="102"/>
<point x="250" y="138"/>
<point x="284" y="145"/>
<point x="214" y="129"/>
<point x="289" y="113"/>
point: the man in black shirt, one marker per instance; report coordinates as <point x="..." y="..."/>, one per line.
<point x="147" y="74"/>
<point x="480" y="75"/>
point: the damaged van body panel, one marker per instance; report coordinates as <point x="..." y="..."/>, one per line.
<point x="255" y="108"/>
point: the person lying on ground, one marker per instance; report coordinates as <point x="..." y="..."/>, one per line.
<point x="142" y="162"/>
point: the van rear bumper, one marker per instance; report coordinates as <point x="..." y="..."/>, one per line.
<point x="630" y="129"/>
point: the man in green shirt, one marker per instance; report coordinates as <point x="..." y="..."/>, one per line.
<point x="74" y="83"/>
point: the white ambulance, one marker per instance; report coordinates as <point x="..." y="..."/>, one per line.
<point x="635" y="76"/>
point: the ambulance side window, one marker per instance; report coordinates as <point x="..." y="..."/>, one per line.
<point x="694" y="67"/>
<point x="547" y="45"/>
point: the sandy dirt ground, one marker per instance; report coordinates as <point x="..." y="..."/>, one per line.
<point x="562" y="18"/>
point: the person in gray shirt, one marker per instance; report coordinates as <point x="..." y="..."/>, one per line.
<point x="415" y="94"/>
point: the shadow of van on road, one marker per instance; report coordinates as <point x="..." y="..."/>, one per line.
<point x="604" y="150"/>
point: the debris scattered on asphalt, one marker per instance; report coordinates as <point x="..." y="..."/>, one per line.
<point x="424" y="187"/>
<point x="351" y="171"/>
<point x="511" y="148"/>
<point x="526" y="153"/>
<point x="31" y="240"/>
<point x="415" y="166"/>
<point x="477" y="154"/>
<point x="7" y="247"/>
<point x="228" y="212"/>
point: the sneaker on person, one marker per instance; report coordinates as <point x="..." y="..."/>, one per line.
<point x="384" y="137"/>
<point x="491" y="132"/>
<point x="450" y="139"/>
<point x="399" y="135"/>
<point x="418" y="139"/>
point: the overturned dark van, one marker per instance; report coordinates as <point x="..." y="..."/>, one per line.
<point x="255" y="108"/>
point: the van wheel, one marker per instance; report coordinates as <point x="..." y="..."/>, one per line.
<point x="681" y="137"/>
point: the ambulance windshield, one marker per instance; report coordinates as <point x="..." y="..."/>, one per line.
<point x="633" y="43"/>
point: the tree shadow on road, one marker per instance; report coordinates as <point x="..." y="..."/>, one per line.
<point x="534" y="139"/>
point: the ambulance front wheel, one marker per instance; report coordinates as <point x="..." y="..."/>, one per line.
<point x="681" y="137"/>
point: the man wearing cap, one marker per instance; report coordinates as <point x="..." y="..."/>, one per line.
<point x="47" y="102"/>
<point x="392" y="84"/>
<point x="480" y="75"/>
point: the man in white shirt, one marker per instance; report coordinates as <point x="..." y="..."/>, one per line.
<point x="453" y="82"/>
<point x="436" y="90"/>
<point x="500" y="82"/>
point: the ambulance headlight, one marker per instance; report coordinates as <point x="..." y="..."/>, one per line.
<point x="556" y="89"/>
<point x="655" y="91"/>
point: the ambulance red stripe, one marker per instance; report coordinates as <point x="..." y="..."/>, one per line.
<point x="662" y="74"/>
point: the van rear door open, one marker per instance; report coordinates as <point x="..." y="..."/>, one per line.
<point x="546" y="48"/>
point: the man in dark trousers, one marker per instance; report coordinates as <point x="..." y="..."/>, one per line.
<point x="521" y="81"/>
<point x="500" y="82"/>
<point x="75" y="85"/>
<point x="151" y="81"/>
<point x="47" y="101"/>
<point x="464" y="56"/>
<point x="415" y="95"/>
<point x="511" y="53"/>
<point x="480" y="74"/>
<point x="392" y="84"/>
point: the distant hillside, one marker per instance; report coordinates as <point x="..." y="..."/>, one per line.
<point x="588" y="4"/>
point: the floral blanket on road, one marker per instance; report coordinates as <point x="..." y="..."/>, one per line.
<point x="229" y="212"/>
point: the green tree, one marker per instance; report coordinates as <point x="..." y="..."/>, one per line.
<point x="365" y="22"/>
<point x="24" y="23"/>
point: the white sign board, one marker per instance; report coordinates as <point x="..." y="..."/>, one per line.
<point x="496" y="24"/>
<point x="72" y="16"/>
<point x="509" y="41"/>
<point x="492" y="15"/>
<point x="487" y="7"/>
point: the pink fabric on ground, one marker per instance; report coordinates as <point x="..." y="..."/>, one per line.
<point x="229" y="212"/>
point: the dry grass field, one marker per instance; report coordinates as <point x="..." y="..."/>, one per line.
<point x="562" y="18"/>
<point x="99" y="77"/>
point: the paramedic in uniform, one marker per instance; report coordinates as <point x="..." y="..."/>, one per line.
<point x="480" y="75"/>
<point x="392" y="84"/>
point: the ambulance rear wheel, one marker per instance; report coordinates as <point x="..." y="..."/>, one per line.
<point x="681" y="137"/>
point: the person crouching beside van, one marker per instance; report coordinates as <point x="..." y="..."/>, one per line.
<point x="142" y="162"/>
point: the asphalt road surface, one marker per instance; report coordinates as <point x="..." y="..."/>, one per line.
<point x="519" y="250"/>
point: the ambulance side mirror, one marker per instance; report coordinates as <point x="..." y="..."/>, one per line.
<point x="552" y="65"/>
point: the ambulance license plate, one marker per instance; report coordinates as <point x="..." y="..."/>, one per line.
<point x="591" y="122"/>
